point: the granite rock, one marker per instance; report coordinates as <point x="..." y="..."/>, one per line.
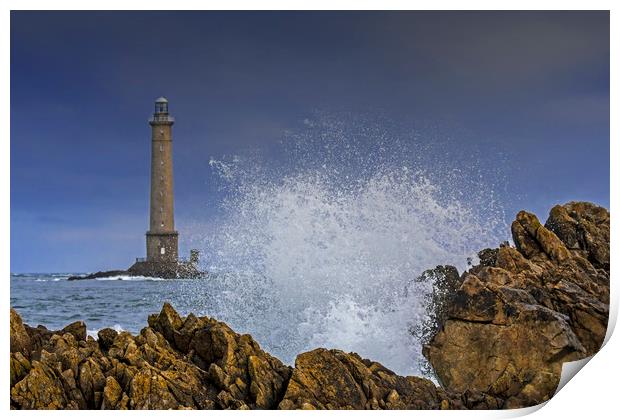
<point x="523" y="311"/>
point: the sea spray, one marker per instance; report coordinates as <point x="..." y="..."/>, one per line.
<point x="319" y="246"/>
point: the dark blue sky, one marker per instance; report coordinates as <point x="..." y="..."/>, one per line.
<point x="532" y="84"/>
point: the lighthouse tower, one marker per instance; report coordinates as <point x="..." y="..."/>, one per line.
<point x="162" y="241"/>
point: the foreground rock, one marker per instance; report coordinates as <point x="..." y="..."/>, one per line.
<point x="200" y="363"/>
<point x="333" y="379"/>
<point x="517" y="316"/>
<point x="173" y="363"/>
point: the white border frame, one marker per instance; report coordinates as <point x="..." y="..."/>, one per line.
<point x="593" y="394"/>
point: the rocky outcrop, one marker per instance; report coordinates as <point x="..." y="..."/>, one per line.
<point x="164" y="270"/>
<point x="523" y="311"/>
<point x="29" y="341"/>
<point x="333" y="379"/>
<point x="19" y="338"/>
<point x="200" y="363"/>
<point x="175" y="362"/>
<point x="583" y="227"/>
<point x="100" y="275"/>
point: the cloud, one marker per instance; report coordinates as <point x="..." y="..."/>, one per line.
<point x="585" y="109"/>
<point x="498" y="50"/>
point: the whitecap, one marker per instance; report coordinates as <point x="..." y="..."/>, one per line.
<point x="130" y="278"/>
<point x="93" y="333"/>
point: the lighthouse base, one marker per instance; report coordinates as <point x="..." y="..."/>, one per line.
<point x="156" y="269"/>
<point x="166" y="270"/>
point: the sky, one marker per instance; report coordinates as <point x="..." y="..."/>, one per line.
<point x="532" y="85"/>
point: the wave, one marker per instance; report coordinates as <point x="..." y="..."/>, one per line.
<point x="130" y="278"/>
<point x="335" y="235"/>
<point x="93" y="333"/>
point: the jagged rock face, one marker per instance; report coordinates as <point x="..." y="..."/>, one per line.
<point x="200" y="363"/>
<point x="333" y="379"/>
<point x="20" y="340"/>
<point x="524" y="311"/>
<point x="174" y="363"/>
<point x="583" y="227"/>
<point x="245" y="375"/>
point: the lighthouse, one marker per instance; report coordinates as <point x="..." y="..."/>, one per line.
<point x="162" y="241"/>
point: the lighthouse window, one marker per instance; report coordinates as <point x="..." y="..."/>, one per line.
<point x="161" y="147"/>
<point x="162" y="224"/>
<point x="163" y="250"/>
<point x="161" y="162"/>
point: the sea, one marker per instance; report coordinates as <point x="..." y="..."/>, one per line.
<point x="122" y="303"/>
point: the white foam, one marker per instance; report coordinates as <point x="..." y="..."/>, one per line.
<point x="338" y="250"/>
<point x="93" y="333"/>
<point x="129" y="278"/>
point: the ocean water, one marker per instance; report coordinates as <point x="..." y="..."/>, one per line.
<point x="315" y="244"/>
<point x="124" y="304"/>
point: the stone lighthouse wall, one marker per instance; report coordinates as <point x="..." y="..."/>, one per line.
<point x="161" y="239"/>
